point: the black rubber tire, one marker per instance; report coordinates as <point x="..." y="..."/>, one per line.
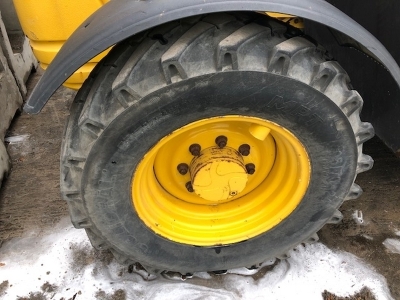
<point x="197" y="68"/>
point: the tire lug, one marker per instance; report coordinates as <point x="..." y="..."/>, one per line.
<point x="221" y="141"/>
<point x="189" y="187"/>
<point x="195" y="149"/>
<point x="250" y="168"/>
<point x="220" y="272"/>
<point x="183" y="168"/>
<point x="244" y="149"/>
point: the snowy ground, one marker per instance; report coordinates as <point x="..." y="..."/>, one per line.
<point x="62" y="265"/>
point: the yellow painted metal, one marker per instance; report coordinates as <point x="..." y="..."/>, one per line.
<point x="49" y="23"/>
<point x="290" y="19"/>
<point x="218" y="174"/>
<point x="271" y="194"/>
<point x="259" y="132"/>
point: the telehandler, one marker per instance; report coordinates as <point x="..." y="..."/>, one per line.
<point x="213" y="134"/>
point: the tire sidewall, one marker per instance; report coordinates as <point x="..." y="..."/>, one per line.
<point x="313" y="118"/>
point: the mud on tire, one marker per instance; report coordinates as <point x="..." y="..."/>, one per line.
<point x="156" y="82"/>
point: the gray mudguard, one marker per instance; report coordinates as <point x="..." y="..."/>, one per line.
<point x="119" y="19"/>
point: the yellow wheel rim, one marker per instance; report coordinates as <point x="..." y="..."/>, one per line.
<point x="169" y="205"/>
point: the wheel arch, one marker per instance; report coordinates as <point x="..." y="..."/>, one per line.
<point x="117" y="20"/>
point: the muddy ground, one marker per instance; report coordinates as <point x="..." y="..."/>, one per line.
<point x="30" y="199"/>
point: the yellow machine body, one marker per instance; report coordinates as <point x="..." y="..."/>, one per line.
<point x="49" y="23"/>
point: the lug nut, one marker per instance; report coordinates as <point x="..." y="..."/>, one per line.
<point x="221" y="141"/>
<point x="250" y="168"/>
<point x="189" y="187"/>
<point x="195" y="149"/>
<point x="183" y="168"/>
<point x="244" y="149"/>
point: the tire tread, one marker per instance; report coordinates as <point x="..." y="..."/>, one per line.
<point x="228" y="42"/>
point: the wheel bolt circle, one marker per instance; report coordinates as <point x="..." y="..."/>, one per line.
<point x="250" y="168"/>
<point x="189" y="187"/>
<point x="244" y="149"/>
<point x="183" y="168"/>
<point x="221" y="141"/>
<point x="195" y="149"/>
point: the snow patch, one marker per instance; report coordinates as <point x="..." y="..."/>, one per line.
<point x="63" y="264"/>
<point x="368" y="237"/>
<point x="358" y="217"/>
<point x="393" y="245"/>
<point x="16" y="139"/>
<point x="20" y="144"/>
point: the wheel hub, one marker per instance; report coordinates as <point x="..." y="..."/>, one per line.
<point x="218" y="174"/>
<point x="220" y="180"/>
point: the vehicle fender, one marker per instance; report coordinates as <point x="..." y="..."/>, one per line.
<point x="119" y="19"/>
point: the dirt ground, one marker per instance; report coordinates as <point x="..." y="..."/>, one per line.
<point x="30" y="198"/>
<point x="380" y="206"/>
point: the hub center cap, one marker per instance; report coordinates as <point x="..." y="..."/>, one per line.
<point x="218" y="174"/>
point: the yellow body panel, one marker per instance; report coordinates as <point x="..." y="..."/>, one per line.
<point x="49" y="23"/>
<point x="291" y="20"/>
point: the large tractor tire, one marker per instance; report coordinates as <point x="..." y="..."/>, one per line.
<point x="215" y="142"/>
